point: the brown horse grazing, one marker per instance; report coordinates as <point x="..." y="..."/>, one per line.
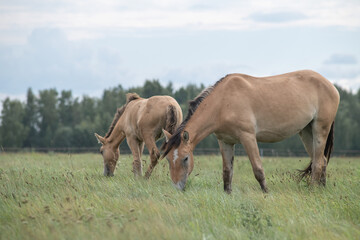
<point x="139" y="121"/>
<point x="245" y="109"/>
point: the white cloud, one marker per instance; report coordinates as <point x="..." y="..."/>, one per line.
<point x="277" y="17"/>
<point x="352" y="84"/>
<point x="95" y="18"/>
<point x="88" y="46"/>
<point x="341" y="59"/>
<point x="50" y="60"/>
<point x="342" y="69"/>
<point x="205" y="73"/>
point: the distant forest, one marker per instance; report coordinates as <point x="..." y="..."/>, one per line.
<point x="52" y="119"/>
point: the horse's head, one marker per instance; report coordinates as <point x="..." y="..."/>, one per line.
<point x="178" y="152"/>
<point x="110" y="155"/>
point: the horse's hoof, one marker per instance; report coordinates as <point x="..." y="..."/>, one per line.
<point x="228" y="191"/>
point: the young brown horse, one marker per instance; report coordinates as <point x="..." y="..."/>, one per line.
<point x="139" y="121"/>
<point x="245" y="109"/>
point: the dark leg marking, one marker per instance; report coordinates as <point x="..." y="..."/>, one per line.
<point x="154" y="156"/>
<point x="227" y="177"/>
<point x="227" y="181"/>
<point x="260" y="177"/>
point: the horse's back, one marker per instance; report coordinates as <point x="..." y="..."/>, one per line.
<point x="158" y="105"/>
<point x="293" y="81"/>
<point x="281" y="104"/>
<point x="299" y="86"/>
<point x="149" y="115"/>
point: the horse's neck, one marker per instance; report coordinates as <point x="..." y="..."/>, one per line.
<point x="117" y="135"/>
<point x="202" y="123"/>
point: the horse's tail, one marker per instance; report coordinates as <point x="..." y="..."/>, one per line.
<point x="327" y="152"/>
<point x="171" y="122"/>
<point x="329" y="143"/>
<point x="171" y="119"/>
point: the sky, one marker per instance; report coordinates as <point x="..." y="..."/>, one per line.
<point x="89" y="46"/>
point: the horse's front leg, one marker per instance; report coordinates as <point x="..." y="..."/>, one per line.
<point x="135" y="147"/>
<point x="249" y="142"/>
<point x="227" y="152"/>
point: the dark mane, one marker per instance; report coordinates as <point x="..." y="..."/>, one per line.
<point x="129" y="97"/>
<point x="175" y="140"/>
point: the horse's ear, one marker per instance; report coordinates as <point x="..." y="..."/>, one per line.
<point x="100" y="139"/>
<point x="166" y="134"/>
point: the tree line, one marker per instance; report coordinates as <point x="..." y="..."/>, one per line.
<point x="52" y="119"/>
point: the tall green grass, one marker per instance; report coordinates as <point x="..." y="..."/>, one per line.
<point x="59" y="196"/>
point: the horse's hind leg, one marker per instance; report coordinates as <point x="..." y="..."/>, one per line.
<point x="227" y="152"/>
<point x="307" y="139"/>
<point x="306" y="136"/>
<point x="154" y="155"/>
<point x="320" y="132"/>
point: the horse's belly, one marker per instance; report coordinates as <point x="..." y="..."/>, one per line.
<point x="277" y="126"/>
<point x="227" y="138"/>
<point x="270" y="136"/>
<point x="280" y="132"/>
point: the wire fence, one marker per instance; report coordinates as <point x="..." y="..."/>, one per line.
<point x="239" y="151"/>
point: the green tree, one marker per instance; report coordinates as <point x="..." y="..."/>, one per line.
<point x="112" y="99"/>
<point x="63" y="137"/>
<point x="48" y="115"/>
<point x="169" y="89"/>
<point x="13" y="131"/>
<point x="30" y="120"/>
<point x="194" y="90"/>
<point x="87" y="109"/>
<point x="65" y="108"/>
<point x="346" y="122"/>
<point x="76" y="112"/>
<point x="181" y="96"/>
<point x="152" y="88"/>
<point x="83" y="134"/>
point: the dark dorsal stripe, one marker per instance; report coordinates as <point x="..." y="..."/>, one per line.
<point x="175" y="140"/>
<point x="129" y="97"/>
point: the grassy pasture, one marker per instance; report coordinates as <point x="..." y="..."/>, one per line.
<point x="60" y="196"/>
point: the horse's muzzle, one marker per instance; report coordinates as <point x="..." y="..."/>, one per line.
<point x="107" y="172"/>
<point x="181" y="184"/>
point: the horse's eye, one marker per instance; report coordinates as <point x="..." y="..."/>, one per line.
<point x="185" y="160"/>
<point x="101" y="152"/>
